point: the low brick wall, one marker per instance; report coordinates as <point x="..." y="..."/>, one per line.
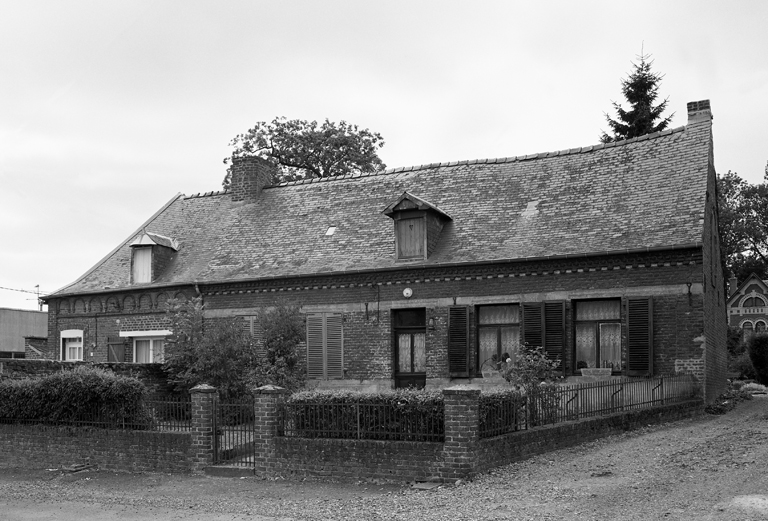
<point x="42" y="446"/>
<point x="352" y="459"/>
<point x="516" y="446"/>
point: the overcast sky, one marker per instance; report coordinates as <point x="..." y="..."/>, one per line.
<point x="109" y="109"/>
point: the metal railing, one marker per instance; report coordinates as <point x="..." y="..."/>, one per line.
<point x="167" y="414"/>
<point x="567" y="403"/>
<point x="235" y="433"/>
<point x="364" y="421"/>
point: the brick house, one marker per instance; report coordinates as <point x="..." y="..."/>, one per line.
<point x="748" y="304"/>
<point x="606" y="255"/>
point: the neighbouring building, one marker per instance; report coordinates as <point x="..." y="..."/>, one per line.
<point x="18" y="324"/>
<point x="748" y="305"/>
<point x="606" y="255"/>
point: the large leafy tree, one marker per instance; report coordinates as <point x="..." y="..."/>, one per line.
<point x="743" y="225"/>
<point x="304" y="149"/>
<point x="640" y="89"/>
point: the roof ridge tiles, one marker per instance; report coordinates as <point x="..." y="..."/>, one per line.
<point x="486" y="161"/>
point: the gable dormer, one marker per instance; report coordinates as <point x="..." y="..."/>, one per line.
<point x="150" y="254"/>
<point x="418" y="224"/>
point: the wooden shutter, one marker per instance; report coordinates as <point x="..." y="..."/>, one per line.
<point x="315" y="343"/>
<point x="411" y="238"/>
<point x="554" y="331"/>
<point x="458" y="341"/>
<point x="325" y="346"/>
<point x="115" y="349"/>
<point x="334" y="342"/>
<point x="639" y="337"/>
<point x="533" y="327"/>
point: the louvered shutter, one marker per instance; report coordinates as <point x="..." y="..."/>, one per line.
<point x="554" y="331"/>
<point x="315" y="346"/>
<point x="334" y="353"/>
<point x="533" y="330"/>
<point x="458" y="341"/>
<point x="639" y="337"/>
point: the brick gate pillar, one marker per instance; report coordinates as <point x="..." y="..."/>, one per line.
<point x="204" y="398"/>
<point x="268" y="400"/>
<point x="462" y="433"/>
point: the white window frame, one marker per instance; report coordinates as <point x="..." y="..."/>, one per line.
<point x="152" y="336"/>
<point x="71" y="334"/>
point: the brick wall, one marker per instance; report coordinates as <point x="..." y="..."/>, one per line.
<point x="38" y="446"/>
<point x="35" y="348"/>
<point x="501" y="450"/>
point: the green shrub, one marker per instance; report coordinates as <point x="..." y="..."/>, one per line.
<point x="502" y="411"/>
<point x="757" y="346"/>
<point x="742" y="365"/>
<point x="402" y="414"/>
<point x="85" y="395"/>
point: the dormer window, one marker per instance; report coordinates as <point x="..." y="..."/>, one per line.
<point x="418" y="224"/>
<point x="150" y="254"/>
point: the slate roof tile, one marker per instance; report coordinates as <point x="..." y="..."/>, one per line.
<point x="609" y="197"/>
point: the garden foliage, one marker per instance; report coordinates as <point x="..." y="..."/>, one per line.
<point x="757" y="346"/>
<point x="85" y="395"/>
<point x="402" y="414"/>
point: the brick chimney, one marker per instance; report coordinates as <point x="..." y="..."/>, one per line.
<point x="250" y="174"/>
<point x="733" y="285"/>
<point x="699" y="111"/>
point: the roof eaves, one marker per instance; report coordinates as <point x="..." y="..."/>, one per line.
<point x="119" y="247"/>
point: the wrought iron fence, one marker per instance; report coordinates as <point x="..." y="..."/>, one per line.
<point x="567" y="403"/>
<point x="365" y="421"/>
<point x="167" y="414"/>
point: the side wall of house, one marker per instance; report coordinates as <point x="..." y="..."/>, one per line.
<point x="715" y="312"/>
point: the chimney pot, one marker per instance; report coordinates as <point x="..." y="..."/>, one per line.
<point x="733" y="285"/>
<point x="699" y="111"/>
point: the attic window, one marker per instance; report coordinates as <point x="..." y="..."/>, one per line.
<point x="418" y="224"/>
<point x="141" y="267"/>
<point x="331" y="230"/>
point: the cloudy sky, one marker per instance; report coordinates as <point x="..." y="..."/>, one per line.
<point x="109" y="109"/>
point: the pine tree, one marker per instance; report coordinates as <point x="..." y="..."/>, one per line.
<point x="640" y="89"/>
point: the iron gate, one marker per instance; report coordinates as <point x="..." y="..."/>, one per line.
<point x="234" y="426"/>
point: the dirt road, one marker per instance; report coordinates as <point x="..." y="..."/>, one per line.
<point x="712" y="468"/>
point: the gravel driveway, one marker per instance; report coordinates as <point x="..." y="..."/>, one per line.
<point x="714" y="467"/>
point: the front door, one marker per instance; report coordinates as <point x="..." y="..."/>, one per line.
<point x="410" y="332"/>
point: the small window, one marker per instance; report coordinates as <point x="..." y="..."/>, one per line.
<point x="72" y="345"/>
<point x="754" y="302"/>
<point x="760" y="327"/>
<point x="411" y="238"/>
<point x="141" y="268"/>
<point x="148" y="350"/>
<point x="498" y="334"/>
<point x="331" y="230"/>
<point x="252" y="327"/>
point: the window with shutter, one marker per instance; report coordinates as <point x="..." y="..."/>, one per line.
<point x="458" y="341"/>
<point x="325" y="346"/>
<point x="115" y="349"/>
<point x="544" y="326"/>
<point x="640" y="337"/>
<point x="252" y="327"/>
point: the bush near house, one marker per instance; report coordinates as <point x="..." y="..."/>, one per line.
<point x="757" y="347"/>
<point x="402" y="414"/>
<point x="85" y="395"/>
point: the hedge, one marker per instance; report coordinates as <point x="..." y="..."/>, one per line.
<point x="403" y="414"/>
<point x="85" y="395"/>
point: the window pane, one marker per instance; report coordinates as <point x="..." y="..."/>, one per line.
<point x="586" y="348"/>
<point x="760" y="327"/>
<point x="419" y="353"/>
<point x="510" y="340"/>
<point x="411" y="317"/>
<point x="598" y="310"/>
<point x="142" y="264"/>
<point x="499" y="314"/>
<point x="404" y="353"/>
<point x="142" y="352"/>
<point x="610" y="346"/>
<point x="488" y="346"/>
<point x="158" y="350"/>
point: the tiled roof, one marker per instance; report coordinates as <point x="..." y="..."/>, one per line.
<point x="642" y="193"/>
